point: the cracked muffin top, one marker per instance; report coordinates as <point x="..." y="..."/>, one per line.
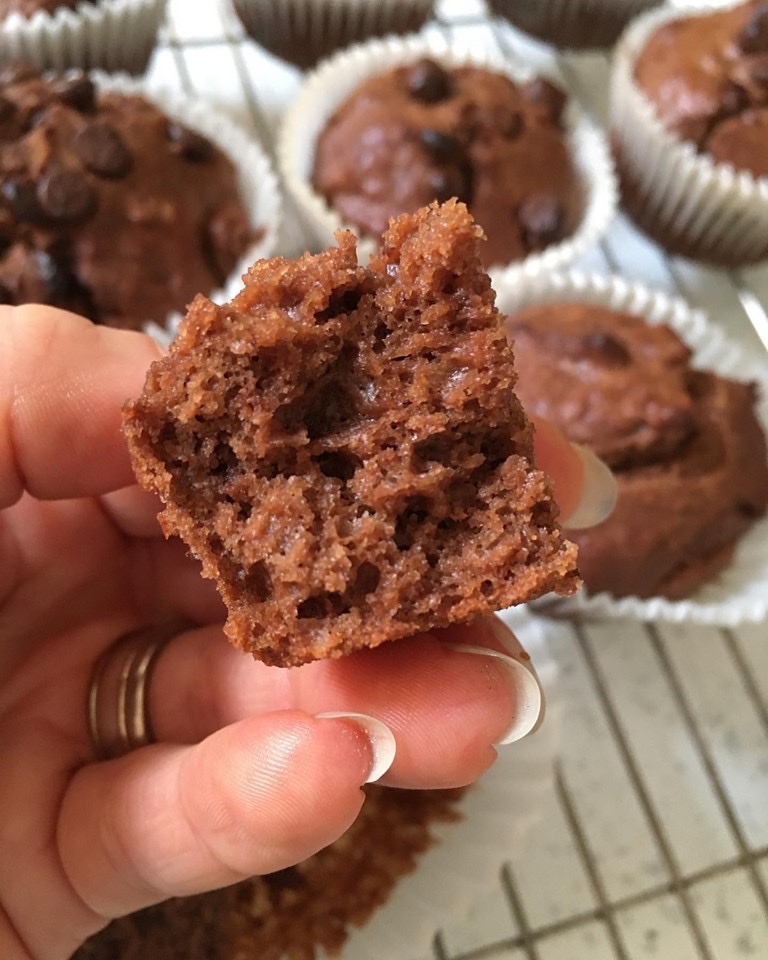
<point x="707" y="77"/>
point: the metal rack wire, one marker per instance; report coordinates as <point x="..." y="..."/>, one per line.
<point x="654" y="841"/>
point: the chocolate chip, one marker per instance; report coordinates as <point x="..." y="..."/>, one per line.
<point x="548" y="94"/>
<point x="7" y="110"/>
<point x="451" y="182"/>
<point x="542" y="219"/>
<point x="102" y="150"/>
<point x="511" y="125"/>
<point x="751" y="73"/>
<point x="428" y="82"/>
<point x="188" y="144"/>
<point x="21" y="196"/>
<point x="77" y="91"/>
<point x="733" y="99"/>
<point x="66" y="195"/>
<point x="605" y="349"/>
<point x="442" y="147"/>
<point x="753" y="37"/>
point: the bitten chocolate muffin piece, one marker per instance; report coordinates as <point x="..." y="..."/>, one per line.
<point x="707" y="77"/>
<point x="108" y="207"/>
<point x="300" y="911"/>
<point x="687" y="449"/>
<point x="342" y="449"/>
<point x="420" y="132"/>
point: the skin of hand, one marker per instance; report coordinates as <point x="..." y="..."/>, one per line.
<point x="246" y="777"/>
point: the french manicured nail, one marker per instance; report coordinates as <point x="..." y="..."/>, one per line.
<point x="526" y="690"/>
<point x="381" y="738"/>
<point x="599" y="495"/>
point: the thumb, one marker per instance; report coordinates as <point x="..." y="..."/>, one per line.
<point x="255" y="797"/>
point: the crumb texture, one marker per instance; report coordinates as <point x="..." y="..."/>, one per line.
<point x="293" y="914"/>
<point x="342" y="448"/>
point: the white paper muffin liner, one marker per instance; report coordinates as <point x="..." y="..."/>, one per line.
<point x="685" y="200"/>
<point x="498" y="813"/>
<point x="572" y="24"/>
<point x="258" y="185"/>
<point x="328" y="24"/>
<point x="107" y="35"/>
<point x="740" y="593"/>
<point x="326" y="88"/>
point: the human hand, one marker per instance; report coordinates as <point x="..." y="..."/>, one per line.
<point x="245" y="778"/>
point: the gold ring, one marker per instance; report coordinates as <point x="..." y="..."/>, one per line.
<point x="118" y="698"/>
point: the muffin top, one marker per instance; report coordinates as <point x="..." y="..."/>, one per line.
<point x="107" y="206"/>
<point x="687" y="449"/>
<point x="29" y="7"/>
<point x="612" y="381"/>
<point x="708" y="79"/>
<point x="420" y="132"/>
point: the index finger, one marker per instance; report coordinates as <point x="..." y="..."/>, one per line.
<point x="63" y="382"/>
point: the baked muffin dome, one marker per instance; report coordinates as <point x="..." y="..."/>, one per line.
<point x="107" y="206"/>
<point x="707" y="77"/>
<point x="688" y="452"/>
<point x="423" y="132"/>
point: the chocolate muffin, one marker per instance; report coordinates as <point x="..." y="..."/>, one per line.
<point x="304" y="31"/>
<point x="422" y="132"/>
<point x="687" y="449"/>
<point x="299" y="911"/>
<point x="107" y="206"/>
<point x="707" y="77"/>
<point x="342" y="449"/>
<point x="88" y="34"/>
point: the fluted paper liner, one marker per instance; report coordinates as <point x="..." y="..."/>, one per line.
<point x="740" y="593"/>
<point x="331" y="24"/>
<point x="572" y="24"/>
<point x="107" y="35"/>
<point x="258" y="186"/>
<point x="326" y="88"/>
<point x="685" y="200"/>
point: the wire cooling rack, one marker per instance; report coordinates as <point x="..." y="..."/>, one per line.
<point x="653" y="844"/>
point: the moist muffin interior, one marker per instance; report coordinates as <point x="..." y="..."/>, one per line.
<point x="342" y="448"/>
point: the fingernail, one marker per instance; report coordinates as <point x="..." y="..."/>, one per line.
<point x="599" y="495"/>
<point x="509" y="641"/>
<point x="381" y="738"/>
<point x="526" y="689"/>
